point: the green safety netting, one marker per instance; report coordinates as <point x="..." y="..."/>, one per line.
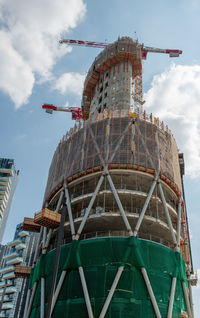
<point x="101" y="259"/>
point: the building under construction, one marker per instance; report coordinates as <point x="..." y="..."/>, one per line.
<point x="114" y="238"/>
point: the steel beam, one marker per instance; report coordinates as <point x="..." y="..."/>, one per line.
<point x="50" y="231"/>
<point x="58" y="288"/>
<point x="27" y="303"/>
<point x="144" y="208"/>
<point x="179" y="225"/>
<point x="171" y="299"/>
<point x="125" y="219"/>
<point x="56" y="260"/>
<point x="167" y="215"/>
<point x="111" y="292"/>
<point x="37" y="246"/>
<point x="151" y="293"/>
<point x="187" y="302"/>
<point x="89" y="207"/>
<point x="31" y="300"/>
<point x="69" y="209"/>
<point x="86" y="294"/>
<point x="44" y="240"/>
<point x="191" y="298"/>
<point x="42" y="297"/>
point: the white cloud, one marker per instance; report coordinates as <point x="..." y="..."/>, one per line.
<point x="16" y="78"/>
<point x="174" y="96"/>
<point x="33" y="29"/>
<point x="70" y="82"/>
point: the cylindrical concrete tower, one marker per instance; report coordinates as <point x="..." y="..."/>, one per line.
<point x="122" y="248"/>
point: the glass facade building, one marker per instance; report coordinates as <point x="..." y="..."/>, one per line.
<point x="8" y="182"/>
<point x="20" y="251"/>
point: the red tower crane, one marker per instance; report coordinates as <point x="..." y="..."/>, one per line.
<point x="101" y="45"/>
<point x="76" y="111"/>
<point x="138" y="94"/>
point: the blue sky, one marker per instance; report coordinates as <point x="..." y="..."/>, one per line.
<point x="35" y="69"/>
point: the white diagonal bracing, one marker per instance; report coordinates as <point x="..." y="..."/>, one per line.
<point x="167" y="215"/>
<point x="171" y="298"/>
<point x="89" y="208"/>
<point x="187" y="301"/>
<point x="85" y="291"/>
<point x="111" y="292"/>
<point x="58" y="288"/>
<point x="151" y="293"/>
<point x="179" y="225"/>
<point x="145" y="206"/>
<point x="123" y="214"/>
<point x="69" y="209"/>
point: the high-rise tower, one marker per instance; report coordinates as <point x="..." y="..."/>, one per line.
<point x="8" y="182"/>
<point x="17" y="254"/>
<point x="118" y="236"/>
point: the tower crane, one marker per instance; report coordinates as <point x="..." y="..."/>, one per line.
<point x="76" y="111"/>
<point x="144" y="49"/>
<point x="137" y="96"/>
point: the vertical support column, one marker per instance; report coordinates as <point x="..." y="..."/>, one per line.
<point x="34" y="262"/>
<point x="191" y="298"/>
<point x="50" y="231"/>
<point x="42" y="294"/>
<point x="56" y="260"/>
<point x="38" y="246"/>
<point x="31" y="300"/>
<point x="42" y="297"/>
<point x="27" y="303"/>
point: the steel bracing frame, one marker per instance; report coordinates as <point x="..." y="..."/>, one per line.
<point x="75" y="235"/>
